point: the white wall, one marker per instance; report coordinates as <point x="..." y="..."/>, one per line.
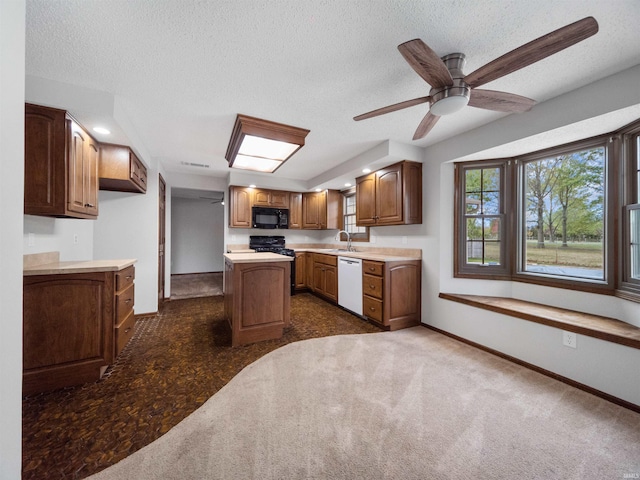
<point x="73" y="238"/>
<point x="127" y="227"/>
<point x="606" y="366"/>
<point x="197" y="236"/>
<point x="12" y="51"/>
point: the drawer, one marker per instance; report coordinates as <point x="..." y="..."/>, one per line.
<point x="372" y="286"/>
<point x="124" y="304"/>
<point x="125" y="278"/>
<point x="326" y="259"/>
<point x="372" y="268"/>
<point x="124" y="332"/>
<point x="372" y="308"/>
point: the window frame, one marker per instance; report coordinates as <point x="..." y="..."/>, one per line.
<point x="597" y="286"/>
<point x="513" y="224"/>
<point x="462" y="268"/>
<point x="629" y="197"/>
<point x="355" y="237"/>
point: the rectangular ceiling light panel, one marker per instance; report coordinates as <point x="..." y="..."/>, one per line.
<point x="262" y="145"/>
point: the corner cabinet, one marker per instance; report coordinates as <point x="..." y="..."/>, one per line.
<point x="322" y="210"/>
<point x="390" y="196"/>
<point x="121" y="170"/>
<point x="74" y="326"/>
<point x="391" y="293"/>
<point x="61" y="165"/>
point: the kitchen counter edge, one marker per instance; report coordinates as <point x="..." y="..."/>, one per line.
<point x="257" y="257"/>
<point x="86" y="266"/>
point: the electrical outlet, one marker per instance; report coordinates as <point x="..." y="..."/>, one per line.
<point x="569" y="339"/>
<point x="75" y="238"/>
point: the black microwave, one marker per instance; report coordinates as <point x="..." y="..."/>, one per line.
<point x="265" y="217"/>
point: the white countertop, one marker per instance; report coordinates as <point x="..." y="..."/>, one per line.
<point x="380" y="257"/>
<point x="78" y="267"/>
<point x="257" y="257"/>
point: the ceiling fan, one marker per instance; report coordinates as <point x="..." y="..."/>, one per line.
<point x="451" y="90"/>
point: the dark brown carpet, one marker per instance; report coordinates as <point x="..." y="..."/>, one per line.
<point x="192" y="285"/>
<point x="172" y="365"/>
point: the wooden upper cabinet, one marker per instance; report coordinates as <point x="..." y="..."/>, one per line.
<point x="121" y="170"/>
<point x="390" y="196"/>
<point x="322" y="210"/>
<point x="271" y="198"/>
<point x="61" y="165"/>
<point x="295" y="210"/>
<point x="240" y="207"/>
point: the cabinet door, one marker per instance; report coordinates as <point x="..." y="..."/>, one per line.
<point x="83" y="172"/>
<point x="310" y="211"/>
<point x="91" y="181"/>
<point x="279" y="199"/>
<point x="262" y="198"/>
<point x="389" y="195"/>
<point x="44" y="161"/>
<point x="318" y="277"/>
<point x="295" y="210"/>
<point x="366" y="200"/>
<point x="240" y="207"/>
<point x="301" y="270"/>
<point x="331" y="282"/>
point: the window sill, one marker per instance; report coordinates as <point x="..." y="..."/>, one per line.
<point x="603" y="328"/>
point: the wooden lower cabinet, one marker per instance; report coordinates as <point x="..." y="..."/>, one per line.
<point x="301" y="270"/>
<point x="325" y="276"/>
<point x="74" y="325"/>
<point x="391" y="292"/>
<point x="256" y="300"/>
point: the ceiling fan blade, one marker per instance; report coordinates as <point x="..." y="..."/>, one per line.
<point x="392" y="108"/>
<point x="427" y="123"/>
<point x="426" y="63"/>
<point x="533" y="51"/>
<point x="500" y="101"/>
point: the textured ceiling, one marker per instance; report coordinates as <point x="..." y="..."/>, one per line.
<point x="183" y="69"/>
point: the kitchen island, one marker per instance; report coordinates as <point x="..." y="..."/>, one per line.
<point x="256" y="296"/>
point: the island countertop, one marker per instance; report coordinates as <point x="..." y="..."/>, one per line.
<point x="258" y="257"/>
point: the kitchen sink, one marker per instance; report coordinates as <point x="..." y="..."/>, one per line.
<point x="333" y="250"/>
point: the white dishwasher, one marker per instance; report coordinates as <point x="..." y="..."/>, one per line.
<point x="350" y="284"/>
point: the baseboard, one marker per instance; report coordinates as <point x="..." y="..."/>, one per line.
<point x="194" y="273"/>
<point x="535" y="368"/>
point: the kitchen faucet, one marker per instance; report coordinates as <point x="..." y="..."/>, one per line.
<point x="349" y="247"/>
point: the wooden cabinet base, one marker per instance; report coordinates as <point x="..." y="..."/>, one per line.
<point x="257" y="300"/>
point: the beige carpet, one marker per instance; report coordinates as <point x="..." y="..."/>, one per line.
<point x="411" y="404"/>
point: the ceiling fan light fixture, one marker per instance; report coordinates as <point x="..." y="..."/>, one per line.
<point x="261" y="145"/>
<point x="449" y="100"/>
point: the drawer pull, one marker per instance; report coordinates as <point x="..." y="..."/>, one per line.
<point x="372" y="287"/>
<point x="89" y="205"/>
<point x="129" y="276"/>
<point x="373" y="309"/>
<point x="128" y="300"/>
<point x="372" y="269"/>
<point x="126" y="330"/>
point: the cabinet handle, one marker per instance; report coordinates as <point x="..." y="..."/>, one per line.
<point x="372" y="309"/>
<point x="129" y="276"/>
<point x="371" y="269"/>
<point x="127" y="330"/>
<point x="372" y="287"/>
<point x="90" y="205"/>
<point x="128" y="300"/>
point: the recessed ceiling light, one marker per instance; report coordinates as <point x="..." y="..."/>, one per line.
<point x="318" y="189"/>
<point x="347" y="184"/>
<point x="102" y="130"/>
<point x="366" y="170"/>
<point x="252" y="186"/>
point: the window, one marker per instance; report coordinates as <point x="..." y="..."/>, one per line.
<point x="358" y="234"/>
<point x="540" y="218"/>
<point x="563" y="214"/>
<point x="481" y="218"/>
<point x="630" y="271"/>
